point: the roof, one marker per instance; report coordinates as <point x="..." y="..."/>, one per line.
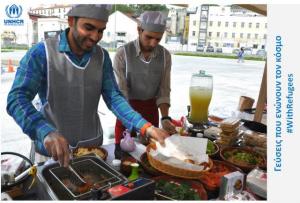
<point x="258" y="8"/>
<point x="51" y="7"/>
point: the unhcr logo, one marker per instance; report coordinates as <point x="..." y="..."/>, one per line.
<point x="13" y="12"/>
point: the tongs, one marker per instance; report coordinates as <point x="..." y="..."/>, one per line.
<point x="75" y="177"/>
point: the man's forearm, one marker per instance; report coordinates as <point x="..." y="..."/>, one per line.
<point x="164" y="109"/>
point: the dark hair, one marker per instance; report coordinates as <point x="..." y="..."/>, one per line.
<point x="76" y="19"/>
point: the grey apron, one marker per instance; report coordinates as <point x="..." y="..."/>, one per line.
<point x="73" y="95"/>
<point x="143" y="78"/>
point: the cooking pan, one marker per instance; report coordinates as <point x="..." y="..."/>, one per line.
<point x="255" y="126"/>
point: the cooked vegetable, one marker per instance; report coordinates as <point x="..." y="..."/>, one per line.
<point x="212" y="179"/>
<point x="242" y="157"/>
<point x="210" y="149"/>
<point x="177" y="191"/>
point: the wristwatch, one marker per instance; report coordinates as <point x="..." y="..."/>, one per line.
<point x="166" y="118"/>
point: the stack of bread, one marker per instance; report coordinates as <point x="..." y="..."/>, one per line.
<point x="256" y="140"/>
<point x="230" y="131"/>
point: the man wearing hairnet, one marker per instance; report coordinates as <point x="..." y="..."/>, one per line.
<point x="143" y="71"/>
<point x="70" y="74"/>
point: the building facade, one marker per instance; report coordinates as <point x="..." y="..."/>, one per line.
<point x="228" y="28"/>
<point x="120" y="29"/>
<point x="58" y="10"/>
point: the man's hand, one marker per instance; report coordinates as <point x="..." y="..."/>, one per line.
<point x="168" y="126"/>
<point x="158" y="134"/>
<point x="58" y="147"/>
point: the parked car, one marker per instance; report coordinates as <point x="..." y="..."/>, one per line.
<point x="210" y="49"/>
<point x="235" y="51"/>
<point x="248" y="51"/>
<point x="219" y="50"/>
<point x="200" y="48"/>
<point x="261" y="52"/>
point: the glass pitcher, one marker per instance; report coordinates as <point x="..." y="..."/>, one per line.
<point x="200" y="95"/>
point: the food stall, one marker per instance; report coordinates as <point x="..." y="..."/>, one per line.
<point x="232" y="164"/>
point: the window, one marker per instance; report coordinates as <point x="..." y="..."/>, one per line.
<point x="194" y="33"/>
<point x="194" y="23"/>
<point x="218" y="34"/>
<point x="216" y="44"/>
<point x="204" y="14"/>
<point x="234" y="24"/>
<point x="233" y="35"/>
<point x="121" y="34"/>
<point x="209" y="34"/>
<point x="202" y="36"/>
<point x="255" y="46"/>
<point x="241" y="35"/>
<point x="226" y="24"/>
<point x="219" y="23"/>
<point x="242" y="24"/>
<point x="257" y="25"/>
<point x="203" y="25"/>
<point x="210" y="23"/>
<point x="265" y="36"/>
<point x="225" y="34"/>
<point x="256" y="36"/>
<point x="248" y="36"/>
<point x="250" y="25"/>
<point x="228" y="44"/>
<point x="108" y="34"/>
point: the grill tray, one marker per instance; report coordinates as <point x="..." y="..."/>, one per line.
<point x="94" y="170"/>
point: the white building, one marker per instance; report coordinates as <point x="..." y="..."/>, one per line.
<point x="176" y="25"/>
<point x="228" y="28"/>
<point x="50" y="24"/>
<point x="120" y="29"/>
<point x="194" y="27"/>
<point x="236" y="29"/>
<point x="57" y="10"/>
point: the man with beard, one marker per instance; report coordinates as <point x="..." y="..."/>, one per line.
<point x="143" y="71"/>
<point x="70" y="74"/>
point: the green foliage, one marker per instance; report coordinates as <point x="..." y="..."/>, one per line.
<point x="177" y="191"/>
<point x="151" y="7"/>
<point x="15" y="47"/>
<point x="218" y="55"/>
<point x="124" y="8"/>
<point x="137" y="9"/>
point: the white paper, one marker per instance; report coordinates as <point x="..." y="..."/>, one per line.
<point x="179" y="148"/>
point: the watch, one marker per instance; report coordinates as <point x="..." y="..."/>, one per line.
<point x="166" y="117"/>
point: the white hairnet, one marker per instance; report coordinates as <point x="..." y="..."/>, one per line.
<point x="153" y="21"/>
<point x="95" y="11"/>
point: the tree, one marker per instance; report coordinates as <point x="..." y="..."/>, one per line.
<point x="137" y="9"/>
<point x="8" y="37"/>
<point x="124" y="8"/>
<point x="140" y="8"/>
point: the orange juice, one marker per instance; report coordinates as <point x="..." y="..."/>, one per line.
<point x="200" y="99"/>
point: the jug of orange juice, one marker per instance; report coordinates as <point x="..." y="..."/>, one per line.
<point x="200" y="95"/>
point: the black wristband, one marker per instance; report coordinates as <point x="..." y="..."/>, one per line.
<point x="166" y="117"/>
